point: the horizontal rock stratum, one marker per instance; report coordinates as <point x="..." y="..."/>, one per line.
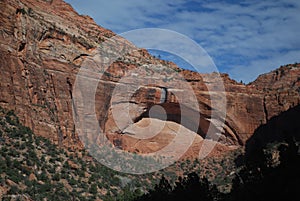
<point x="43" y="45"/>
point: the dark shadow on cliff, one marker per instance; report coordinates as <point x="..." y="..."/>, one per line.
<point x="270" y="167"/>
<point x="283" y="127"/>
<point x="187" y="117"/>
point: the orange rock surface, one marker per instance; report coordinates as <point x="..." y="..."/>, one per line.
<point x="43" y="45"/>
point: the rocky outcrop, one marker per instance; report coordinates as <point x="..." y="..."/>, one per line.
<point x="280" y="89"/>
<point x="43" y="45"/>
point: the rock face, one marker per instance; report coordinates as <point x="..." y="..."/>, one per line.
<point x="43" y="45"/>
<point x="282" y="128"/>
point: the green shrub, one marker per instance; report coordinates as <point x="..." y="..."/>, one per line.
<point x="93" y="189"/>
<point x="13" y="190"/>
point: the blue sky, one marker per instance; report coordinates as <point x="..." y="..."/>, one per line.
<point x="244" y="38"/>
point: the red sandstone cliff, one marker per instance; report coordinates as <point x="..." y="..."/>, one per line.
<point x="43" y="44"/>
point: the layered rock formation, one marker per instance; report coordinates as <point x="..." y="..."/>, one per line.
<point x="43" y="44"/>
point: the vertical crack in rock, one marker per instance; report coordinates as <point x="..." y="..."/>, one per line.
<point x="70" y="87"/>
<point x="73" y="136"/>
<point x="12" y="84"/>
<point x="265" y="109"/>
